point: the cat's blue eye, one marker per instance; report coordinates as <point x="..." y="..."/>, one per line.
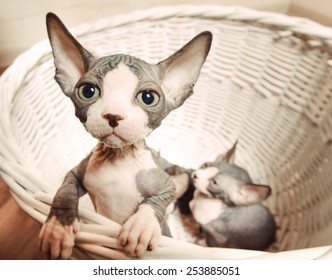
<point x="148" y="98"/>
<point x="88" y="92"/>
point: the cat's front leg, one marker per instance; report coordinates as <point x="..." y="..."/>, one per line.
<point x="57" y="239"/>
<point x="142" y="231"/>
<point x="57" y="236"/>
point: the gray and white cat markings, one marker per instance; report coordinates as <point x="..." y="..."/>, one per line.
<point x="119" y="99"/>
<point x="227" y="206"/>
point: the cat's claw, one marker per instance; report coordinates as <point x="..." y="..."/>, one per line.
<point x="57" y="240"/>
<point x="140" y="232"/>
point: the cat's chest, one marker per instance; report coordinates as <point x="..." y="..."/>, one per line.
<point x="112" y="184"/>
<point x="205" y="209"/>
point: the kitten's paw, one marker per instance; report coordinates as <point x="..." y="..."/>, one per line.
<point x="140" y="232"/>
<point x="201" y="242"/>
<point x="57" y="240"/>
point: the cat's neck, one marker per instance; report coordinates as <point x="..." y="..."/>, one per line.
<point x="103" y="152"/>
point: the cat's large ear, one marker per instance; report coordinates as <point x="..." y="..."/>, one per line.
<point x="229" y="157"/>
<point x="251" y="193"/>
<point x="180" y="71"/>
<point x="70" y="58"/>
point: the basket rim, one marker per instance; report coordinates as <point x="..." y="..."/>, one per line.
<point x="296" y="24"/>
<point x="293" y="24"/>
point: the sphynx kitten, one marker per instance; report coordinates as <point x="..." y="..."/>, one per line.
<point x="226" y="204"/>
<point x="119" y="99"/>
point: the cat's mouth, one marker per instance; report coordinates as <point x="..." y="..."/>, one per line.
<point x="111" y="134"/>
<point x="113" y="140"/>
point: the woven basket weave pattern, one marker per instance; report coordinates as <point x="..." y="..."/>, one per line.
<point x="267" y="82"/>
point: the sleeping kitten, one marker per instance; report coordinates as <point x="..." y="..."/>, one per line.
<point x="226" y="204"/>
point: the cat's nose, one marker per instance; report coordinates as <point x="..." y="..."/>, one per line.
<point x="113" y="120"/>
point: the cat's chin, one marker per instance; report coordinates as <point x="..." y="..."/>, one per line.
<point x="113" y="141"/>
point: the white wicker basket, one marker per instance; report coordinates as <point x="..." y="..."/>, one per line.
<point x="267" y="81"/>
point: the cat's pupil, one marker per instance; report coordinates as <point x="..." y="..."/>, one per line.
<point x="147" y="97"/>
<point x="89" y="91"/>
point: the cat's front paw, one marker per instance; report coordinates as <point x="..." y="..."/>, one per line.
<point x="140" y="232"/>
<point x="57" y="240"/>
<point x="201" y="242"/>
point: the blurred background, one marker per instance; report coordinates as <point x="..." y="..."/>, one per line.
<point x="22" y="22"/>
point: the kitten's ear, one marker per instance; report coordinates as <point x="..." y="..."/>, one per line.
<point x="180" y="71"/>
<point x="229" y="157"/>
<point x="251" y="193"/>
<point x="70" y="58"/>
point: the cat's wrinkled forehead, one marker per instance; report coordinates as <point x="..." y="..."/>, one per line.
<point x="221" y="168"/>
<point x="233" y="171"/>
<point x="143" y="70"/>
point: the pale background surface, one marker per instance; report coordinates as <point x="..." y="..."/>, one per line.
<point x="22" y="23"/>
